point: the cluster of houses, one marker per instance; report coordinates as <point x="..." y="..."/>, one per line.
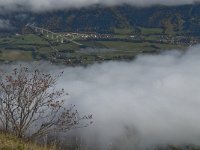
<point x="179" y="40"/>
<point x="87" y="36"/>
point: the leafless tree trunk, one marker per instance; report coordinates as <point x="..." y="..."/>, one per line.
<point x="29" y="100"/>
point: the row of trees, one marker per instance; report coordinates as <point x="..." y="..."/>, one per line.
<point x="31" y="106"/>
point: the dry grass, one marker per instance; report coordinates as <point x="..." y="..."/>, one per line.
<point x="15" y="55"/>
<point x="8" y="142"/>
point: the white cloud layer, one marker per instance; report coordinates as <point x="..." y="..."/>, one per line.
<point x="153" y="100"/>
<point x="41" y="5"/>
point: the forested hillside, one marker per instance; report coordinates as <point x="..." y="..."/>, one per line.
<point x="172" y="20"/>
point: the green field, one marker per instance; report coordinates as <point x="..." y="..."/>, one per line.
<point x="151" y="31"/>
<point x="123" y="31"/>
<point x="36" y="47"/>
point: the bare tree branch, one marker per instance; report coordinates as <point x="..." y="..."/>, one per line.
<point x="29" y="100"/>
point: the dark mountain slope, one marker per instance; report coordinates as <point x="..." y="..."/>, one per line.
<point x="176" y="19"/>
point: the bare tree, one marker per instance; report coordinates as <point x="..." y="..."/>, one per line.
<point x="31" y="106"/>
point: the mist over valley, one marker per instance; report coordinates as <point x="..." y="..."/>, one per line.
<point x="99" y="75"/>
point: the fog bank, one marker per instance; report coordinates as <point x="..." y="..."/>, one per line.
<point x="44" y="5"/>
<point x="153" y="100"/>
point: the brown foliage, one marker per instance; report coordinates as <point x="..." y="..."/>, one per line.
<point x="31" y="106"/>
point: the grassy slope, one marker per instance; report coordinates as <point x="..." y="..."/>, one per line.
<point x="8" y="142"/>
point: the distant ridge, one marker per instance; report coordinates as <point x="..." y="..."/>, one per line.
<point x="172" y="20"/>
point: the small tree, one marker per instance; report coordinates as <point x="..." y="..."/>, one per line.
<point x="31" y="106"/>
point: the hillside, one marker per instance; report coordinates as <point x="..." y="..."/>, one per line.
<point x="8" y="142"/>
<point x="181" y="20"/>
